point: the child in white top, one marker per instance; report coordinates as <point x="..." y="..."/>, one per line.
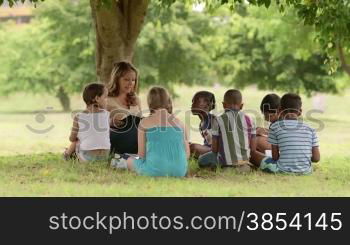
<point x="90" y="132"/>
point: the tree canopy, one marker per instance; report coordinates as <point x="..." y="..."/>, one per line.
<point x="230" y="42"/>
<point x="54" y="54"/>
<point x="331" y="18"/>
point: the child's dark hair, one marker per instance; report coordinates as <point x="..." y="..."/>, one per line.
<point x="270" y="103"/>
<point x="207" y="96"/>
<point x="91" y="91"/>
<point x="233" y="96"/>
<point x="291" y="103"/>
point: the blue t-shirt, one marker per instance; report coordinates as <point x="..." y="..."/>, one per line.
<point x="165" y="153"/>
<point x="295" y="140"/>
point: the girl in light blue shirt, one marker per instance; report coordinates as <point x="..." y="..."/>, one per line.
<point x="163" y="148"/>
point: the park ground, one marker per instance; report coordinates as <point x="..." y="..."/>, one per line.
<point x="31" y="163"/>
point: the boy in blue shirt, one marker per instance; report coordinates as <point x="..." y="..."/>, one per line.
<point x="294" y="144"/>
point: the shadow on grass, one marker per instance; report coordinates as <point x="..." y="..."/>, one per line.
<point x="51" y="167"/>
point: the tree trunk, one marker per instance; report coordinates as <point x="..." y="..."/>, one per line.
<point x="64" y="99"/>
<point x="344" y="64"/>
<point x="117" y="29"/>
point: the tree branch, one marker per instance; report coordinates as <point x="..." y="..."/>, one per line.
<point x="132" y="13"/>
<point x="137" y="10"/>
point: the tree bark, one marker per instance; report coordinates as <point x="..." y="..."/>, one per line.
<point x="344" y="64"/>
<point x="117" y="29"/>
<point x="64" y="99"/>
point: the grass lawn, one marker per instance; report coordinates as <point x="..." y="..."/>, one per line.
<point x="31" y="165"/>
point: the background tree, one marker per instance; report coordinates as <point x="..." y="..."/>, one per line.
<point x="170" y="49"/>
<point x="259" y="46"/>
<point x="119" y="24"/>
<point x="53" y="54"/>
<point x="233" y="44"/>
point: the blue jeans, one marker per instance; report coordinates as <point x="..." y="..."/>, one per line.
<point x="208" y="160"/>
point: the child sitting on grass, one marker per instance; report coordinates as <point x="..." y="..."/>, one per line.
<point x="233" y="135"/>
<point x="162" y="141"/>
<point x="203" y="103"/>
<point x="294" y="144"/>
<point x="90" y="132"/>
<point x="269" y="108"/>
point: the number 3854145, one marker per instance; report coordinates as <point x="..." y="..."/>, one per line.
<point x="298" y="221"/>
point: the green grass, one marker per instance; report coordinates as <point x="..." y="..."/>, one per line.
<point x="48" y="175"/>
<point x="31" y="165"/>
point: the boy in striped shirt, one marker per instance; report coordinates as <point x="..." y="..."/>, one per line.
<point x="233" y="133"/>
<point x="294" y="144"/>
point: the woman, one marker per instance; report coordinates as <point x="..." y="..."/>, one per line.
<point x="125" y="108"/>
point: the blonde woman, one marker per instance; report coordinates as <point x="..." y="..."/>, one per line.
<point x="125" y="108"/>
<point x="163" y="148"/>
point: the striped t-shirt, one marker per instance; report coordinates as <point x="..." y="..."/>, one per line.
<point x="234" y="130"/>
<point x="295" y="140"/>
